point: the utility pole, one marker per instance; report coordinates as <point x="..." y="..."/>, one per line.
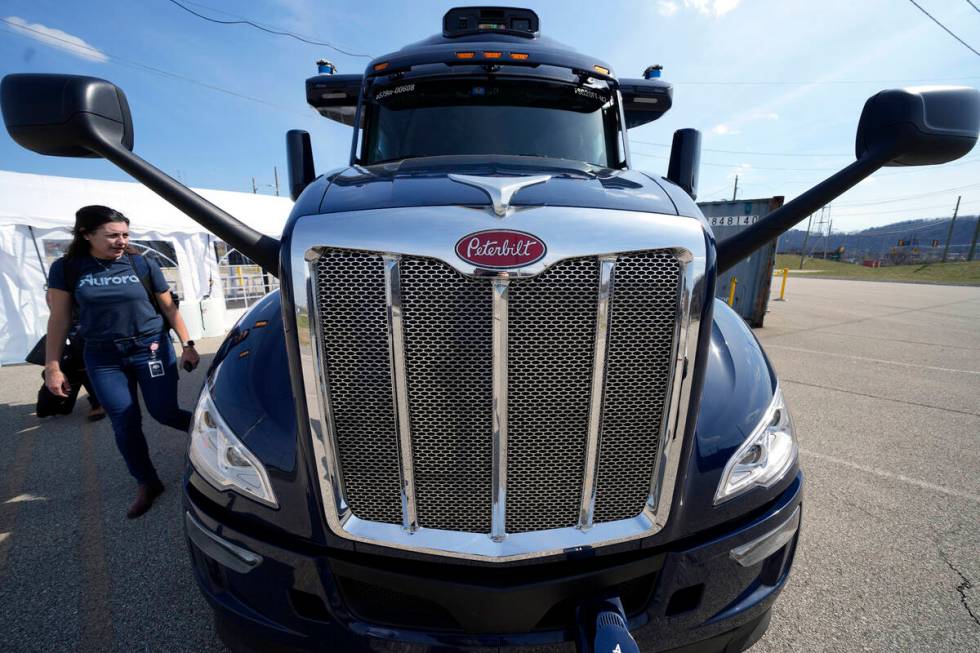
<point x="973" y="244"/>
<point x="821" y="221"/>
<point x="949" y="234"/>
<point x="826" y="239"/>
<point x="830" y="230"/>
<point x="255" y="189"/>
<point x="275" y="173"/>
<point x="805" y="238"/>
<point x="735" y="192"/>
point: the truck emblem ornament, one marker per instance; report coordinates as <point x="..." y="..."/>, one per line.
<point x="500" y="190"/>
<point x="500" y="248"/>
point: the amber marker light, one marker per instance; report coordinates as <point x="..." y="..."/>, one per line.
<point x="601" y="69"/>
<point x="465" y="55"/>
<point x="520" y="56"/>
<point x="493" y="55"/>
<point x="380" y="66"/>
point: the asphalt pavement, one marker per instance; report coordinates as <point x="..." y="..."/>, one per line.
<point x="883" y="381"/>
<point x="75" y="574"/>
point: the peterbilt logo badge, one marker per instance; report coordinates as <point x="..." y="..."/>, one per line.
<point x="500" y="248"/>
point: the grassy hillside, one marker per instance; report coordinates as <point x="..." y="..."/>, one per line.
<point x="959" y="273"/>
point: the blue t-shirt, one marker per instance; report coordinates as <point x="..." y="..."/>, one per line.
<point x="112" y="302"/>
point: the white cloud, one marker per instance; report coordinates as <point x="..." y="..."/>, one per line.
<point x="772" y="115"/>
<point x="667" y="7"/>
<point x="722" y="7"/>
<point x="722" y="129"/>
<point x="715" y="8"/>
<point x="57" y="39"/>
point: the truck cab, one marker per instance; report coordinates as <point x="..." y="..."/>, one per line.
<point x="499" y="328"/>
<point x="495" y="405"/>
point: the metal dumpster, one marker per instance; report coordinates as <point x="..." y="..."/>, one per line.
<point x="753" y="275"/>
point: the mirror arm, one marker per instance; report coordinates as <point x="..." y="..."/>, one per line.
<point x="742" y="244"/>
<point x="262" y="249"/>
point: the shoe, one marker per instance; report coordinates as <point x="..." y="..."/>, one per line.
<point x="146" y="493"/>
<point x="95" y="414"/>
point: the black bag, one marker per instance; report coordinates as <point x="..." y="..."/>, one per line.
<point x="37" y="355"/>
<point x="49" y="404"/>
<point x="73" y="367"/>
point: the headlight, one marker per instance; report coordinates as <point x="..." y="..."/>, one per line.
<point x="222" y="459"/>
<point x="764" y="457"/>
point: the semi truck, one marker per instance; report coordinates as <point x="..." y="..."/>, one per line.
<point x="495" y="405"/>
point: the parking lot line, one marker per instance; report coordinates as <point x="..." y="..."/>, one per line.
<point x="871" y="396"/>
<point x="96" y="622"/>
<point x="872" y="360"/>
<point x="14" y="488"/>
<point x="891" y="476"/>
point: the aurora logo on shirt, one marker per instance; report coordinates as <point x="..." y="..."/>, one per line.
<point x="89" y="280"/>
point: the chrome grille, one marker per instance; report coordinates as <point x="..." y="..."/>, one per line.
<point x="448" y="363"/>
<point x="552" y="329"/>
<point x="448" y="352"/>
<point x="350" y="293"/>
<point x="643" y="319"/>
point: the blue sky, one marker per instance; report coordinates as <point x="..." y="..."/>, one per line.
<point x="775" y="86"/>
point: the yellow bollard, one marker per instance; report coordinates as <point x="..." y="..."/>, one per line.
<point x="782" y="289"/>
<point x="241" y="279"/>
<point x="731" y="292"/>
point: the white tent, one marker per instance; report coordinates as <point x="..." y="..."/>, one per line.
<point x="36" y="208"/>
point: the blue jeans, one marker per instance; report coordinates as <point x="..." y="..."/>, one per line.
<point x="115" y="369"/>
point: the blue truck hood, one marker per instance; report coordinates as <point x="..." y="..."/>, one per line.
<point x="412" y="184"/>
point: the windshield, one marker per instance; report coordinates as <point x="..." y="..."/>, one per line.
<point x="492" y="117"/>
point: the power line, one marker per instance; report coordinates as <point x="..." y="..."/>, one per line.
<point x="245" y="21"/>
<point x="944" y="27"/>
<point x="938" y="222"/>
<point x="708" y="149"/>
<point x="973" y="5"/>
<point x="717" y="164"/>
<point x="821" y="82"/>
<point x="735" y="165"/>
<point x="857" y="212"/>
<point x="910" y="197"/>
<point x="795" y="154"/>
<point x="714" y="192"/>
<point x="150" y="69"/>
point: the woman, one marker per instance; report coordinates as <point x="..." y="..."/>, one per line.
<point x="126" y="340"/>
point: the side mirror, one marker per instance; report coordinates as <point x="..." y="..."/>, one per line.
<point x="65" y="115"/>
<point x="920" y="126"/>
<point x="911" y="127"/>
<point x="299" y="161"/>
<point x="645" y="100"/>
<point x="335" y="96"/>
<point x="68" y="115"/>
<point x="685" y="160"/>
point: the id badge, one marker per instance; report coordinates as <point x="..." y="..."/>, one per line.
<point x="156" y="369"/>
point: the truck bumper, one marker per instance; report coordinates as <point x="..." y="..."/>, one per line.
<point x="708" y="593"/>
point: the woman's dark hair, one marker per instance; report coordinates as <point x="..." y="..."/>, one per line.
<point x="87" y="220"/>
